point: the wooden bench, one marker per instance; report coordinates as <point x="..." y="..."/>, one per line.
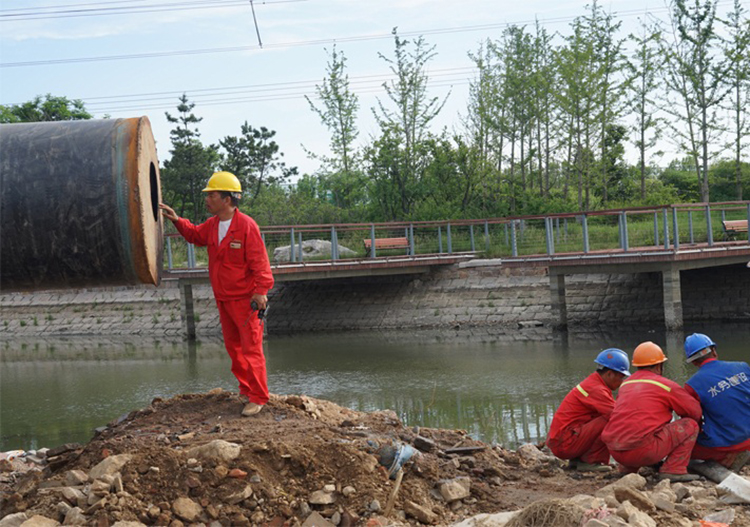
<point x="734" y="227"/>
<point x="386" y="243"/>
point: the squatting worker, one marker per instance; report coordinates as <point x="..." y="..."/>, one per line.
<point x="640" y="431"/>
<point x="240" y="275"/>
<point x="723" y="389"/>
<point x="577" y="425"/>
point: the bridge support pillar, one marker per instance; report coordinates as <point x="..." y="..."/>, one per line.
<point x="187" y="311"/>
<point x="672" y="297"/>
<point x="557" y="299"/>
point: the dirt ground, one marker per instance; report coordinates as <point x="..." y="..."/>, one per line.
<point x="296" y="450"/>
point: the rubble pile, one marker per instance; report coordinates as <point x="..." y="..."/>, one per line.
<point x="192" y="460"/>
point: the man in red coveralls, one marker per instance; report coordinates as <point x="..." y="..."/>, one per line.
<point x="640" y="431"/>
<point x="240" y="276"/>
<point x="576" y="428"/>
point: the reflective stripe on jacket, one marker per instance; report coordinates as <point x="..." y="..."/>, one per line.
<point x="239" y="266"/>
<point x="723" y="389"/>
<point x="645" y="403"/>
<point x="585" y="402"/>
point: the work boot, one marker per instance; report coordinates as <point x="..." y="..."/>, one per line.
<point x="740" y="461"/>
<point x="678" y="478"/>
<point x="592" y="467"/>
<point x="251" y="409"/>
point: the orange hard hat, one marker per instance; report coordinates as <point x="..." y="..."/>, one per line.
<point x="648" y="354"/>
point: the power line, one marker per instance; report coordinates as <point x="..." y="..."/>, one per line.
<point x="260" y="93"/>
<point x="130" y="9"/>
<point x="354" y="38"/>
<point x="247" y="100"/>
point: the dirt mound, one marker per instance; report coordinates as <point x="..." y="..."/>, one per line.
<point x="299" y="455"/>
<point x="193" y="460"/>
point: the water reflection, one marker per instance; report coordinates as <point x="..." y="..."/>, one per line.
<point x="501" y="386"/>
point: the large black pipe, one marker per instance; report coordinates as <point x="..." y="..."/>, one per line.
<point x="79" y="204"/>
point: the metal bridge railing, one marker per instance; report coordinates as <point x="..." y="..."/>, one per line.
<point x="667" y="227"/>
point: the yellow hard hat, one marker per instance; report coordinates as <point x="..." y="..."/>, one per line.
<point x="648" y="354"/>
<point x="223" y="181"/>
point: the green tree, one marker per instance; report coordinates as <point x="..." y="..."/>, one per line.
<point x="256" y="159"/>
<point x="694" y="77"/>
<point x="737" y="55"/>
<point x="184" y="175"/>
<point x="644" y="69"/>
<point x="339" y="110"/>
<point x="51" y="108"/>
<point x="405" y="127"/>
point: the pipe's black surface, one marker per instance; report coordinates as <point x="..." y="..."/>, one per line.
<point x="79" y="204"/>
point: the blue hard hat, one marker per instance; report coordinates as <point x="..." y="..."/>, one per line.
<point x="695" y="343"/>
<point x="614" y="359"/>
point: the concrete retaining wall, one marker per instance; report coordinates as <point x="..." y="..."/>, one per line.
<point x="448" y="297"/>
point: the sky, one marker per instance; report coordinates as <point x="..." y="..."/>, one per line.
<point x="142" y="55"/>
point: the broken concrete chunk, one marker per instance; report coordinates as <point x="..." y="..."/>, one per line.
<point x="75" y="516"/>
<point x="455" y="489"/>
<point x="39" y="521"/>
<point x="316" y="520"/>
<point x="321" y="497"/>
<point x="421" y="514"/>
<point x="74" y="478"/>
<point x="73" y="496"/>
<point x="237" y="497"/>
<point x="14" y="520"/>
<point x="186" y="509"/>
<point x="636" y="497"/>
<point x="109" y="465"/>
<point x="217" y="450"/>
<point x="641" y="519"/>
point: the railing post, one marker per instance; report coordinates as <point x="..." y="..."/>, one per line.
<point x="585" y="225"/>
<point x="619" y="230"/>
<point x="191" y="256"/>
<point x="440" y="240"/>
<point x="548" y="235"/>
<point x="291" y="246"/>
<point x="334" y="244"/>
<point x="666" y="229"/>
<point x="748" y="222"/>
<point x="448" y="232"/>
<point x="625" y="243"/>
<point x="557" y="228"/>
<point x="513" y="241"/>
<point x="676" y="230"/>
<point x="487" y="233"/>
<point x="690" y="226"/>
<point x="373" y="253"/>
<point x="411" y="239"/>
<point x="300" y="253"/>
<point x="169" y="253"/>
<point x="656" y="229"/>
<point x="723" y="215"/>
<point x="471" y="235"/>
<point x="710" y="233"/>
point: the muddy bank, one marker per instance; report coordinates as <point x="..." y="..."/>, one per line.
<point x="192" y="460"/>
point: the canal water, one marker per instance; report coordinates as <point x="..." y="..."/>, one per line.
<point x="502" y="386"/>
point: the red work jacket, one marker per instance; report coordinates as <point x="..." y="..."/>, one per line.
<point x="239" y="266"/>
<point x="645" y="403"/>
<point x="590" y="399"/>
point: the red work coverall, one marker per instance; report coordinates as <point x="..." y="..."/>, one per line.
<point x="640" y="431"/>
<point x="579" y="421"/>
<point x="238" y="269"/>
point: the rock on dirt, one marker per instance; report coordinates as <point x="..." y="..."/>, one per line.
<point x="194" y="459"/>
